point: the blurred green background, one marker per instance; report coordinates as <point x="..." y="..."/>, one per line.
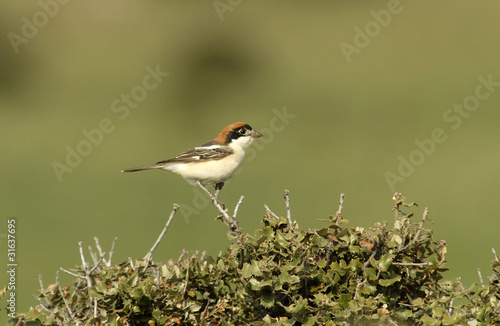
<point x="341" y="90"/>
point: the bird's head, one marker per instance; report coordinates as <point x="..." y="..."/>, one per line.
<point x="238" y="134"/>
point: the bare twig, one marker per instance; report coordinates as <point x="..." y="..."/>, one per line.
<point x="183" y="252"/>
<point x="111" y="252"/>
<point x="421" y="225"/>
<point x="93" y="255"/>
<point x="367" y="262"/>
<point x="185" y="283"/>
<point x="41" y="282"/>
<point x="85" y="266"/>
<point x="63" y="297"/>
<point x="150" y="252"/>
<point x="230" y="221"/>
<point x="45" y="306"/>
<point x="95" y="307"/>
<point x="341" y="206"/>
<point x="413" y="264"/>
<point x="494" y="254"/>
<point x="158" y="277"/>
<point x="450" y="307"/>
<point x="238" y="206"/>
<point x="98" y="245"/>
<point x="97" y="263"/>
<point x="480" y="277"/>
<point x="71" y="273"/>
<point x="270" y="212"/>
<point x="286" y="195"/>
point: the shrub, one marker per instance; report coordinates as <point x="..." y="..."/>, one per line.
<point x="282" y="275"/>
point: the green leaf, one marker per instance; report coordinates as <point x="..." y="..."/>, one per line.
<point x="281" y="240"/>
<point x="344" y="300"/>
<point x="451" y="320"/>
<point x="389" y="282"/>
<point x="251" y="269"/>
<point x="267" y="300"/>
<point x="156" y="314"/>
<point x="257" y="285"/>
<point x="297" y="307"/>
<point x="427" y="320"/>
<point x="385" y="262"/>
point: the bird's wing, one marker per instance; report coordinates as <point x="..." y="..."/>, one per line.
<point x="201" y="154"/>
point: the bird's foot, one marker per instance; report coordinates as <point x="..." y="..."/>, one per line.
<point x="218" y="187"/>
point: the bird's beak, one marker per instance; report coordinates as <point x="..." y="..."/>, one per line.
<point x="255" y="134"/>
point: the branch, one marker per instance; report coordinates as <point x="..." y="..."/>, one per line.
<point x="286" y="195"/>
<point x="71" y="273"/>
<point x="230" y="221"/>
<point x="111" y="252"/>
<point x="480" y="277"/>
<point x="238" y="206"/>
<point x="62" y="295"/>
<point x="270" y="212"/>
<point x="341" y="206"/>
<point x="421" y="225"/>
<point x="85" y="266"/>
<point x="150" y="253"/>
<point x="413" y="264"/>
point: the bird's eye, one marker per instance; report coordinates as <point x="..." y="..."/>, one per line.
<point x="242" y="131"/>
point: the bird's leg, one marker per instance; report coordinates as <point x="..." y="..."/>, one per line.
<point x="218" y="187"/>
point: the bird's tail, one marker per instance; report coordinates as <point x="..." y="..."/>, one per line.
<point x="141" y="168"/>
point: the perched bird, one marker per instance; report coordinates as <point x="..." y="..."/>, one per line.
<point x="214" y="162"/>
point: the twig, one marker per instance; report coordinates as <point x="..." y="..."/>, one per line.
<point x="85" y="266"/>
<point x="97" y="263"/>
<point x="95" y="307"/>
<point x="63" y="297"/>
<point x="286" y="195"/>
<point x="41" y="282"/>
<point x="450" y="307"/>
<point x="158" y="277"/>
<point x="111" y="252"/>
<point x="413" y="264"/>
<point x="150" y="253"/>
<point x="367" y="262"/>
<point x="92" y="255"/>
<point x="270" y="212"/>
<point x="494" y="254"/>
<point x="341" y="206"/>
<point x="185" y="283"/>
<point x="71" y="273"/>
<point x="238" y="206"/>
<point x="45" y="305"/>
<point x="183" y="252"/>
<point x="421" y="225"/>
<point x="480" y="277"/>
<point x="230" y="221"/>
<point x="397" y="197"/>
<point x="98" y="246"/>
<point x="40" y="302"/>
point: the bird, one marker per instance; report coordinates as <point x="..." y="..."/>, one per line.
<point x="214" y="162"/>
